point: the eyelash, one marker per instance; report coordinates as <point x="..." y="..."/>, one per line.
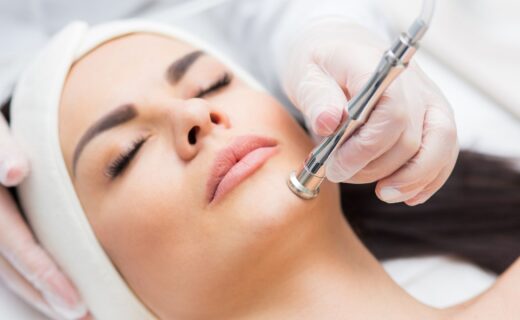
<point x="222" y="82"/>
<point x="124" y="159"/>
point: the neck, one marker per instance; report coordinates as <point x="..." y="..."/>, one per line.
<point x="334" y="277"/>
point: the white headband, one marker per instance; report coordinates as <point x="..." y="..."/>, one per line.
<point x="47" y="196"/>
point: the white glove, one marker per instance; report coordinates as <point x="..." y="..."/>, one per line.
<point x="25" y="268"/>
<point x="409" y="144"/>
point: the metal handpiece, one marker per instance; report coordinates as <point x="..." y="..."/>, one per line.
<point x="307" y="180"/>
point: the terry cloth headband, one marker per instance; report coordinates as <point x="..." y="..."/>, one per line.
<point x="47" y="196"/>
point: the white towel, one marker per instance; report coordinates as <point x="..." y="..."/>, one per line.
<point x="47" y="195"/>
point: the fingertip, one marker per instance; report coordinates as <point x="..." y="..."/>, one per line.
<point x="15" y="175"/>
<point x="389" y="194"/>
<point x="46" y="310"/>
<point x="392" y="192"/>
<point x="56" y="289"/>
<point x="12" y="172"/>
<point x="75" y="309"/>
<point x="63" y="298"/>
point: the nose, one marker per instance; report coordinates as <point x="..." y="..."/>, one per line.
<point x="193" y="121"/>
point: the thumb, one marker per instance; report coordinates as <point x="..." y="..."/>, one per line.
<point x="321" y="100"/>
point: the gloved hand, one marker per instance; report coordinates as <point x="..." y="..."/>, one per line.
<point x="25" y="268"/>
<point x="409" y="144"/>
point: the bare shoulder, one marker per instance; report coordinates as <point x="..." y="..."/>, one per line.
<point x="501" y="301"/>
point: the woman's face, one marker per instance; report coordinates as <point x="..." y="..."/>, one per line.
<point x="146" y="173"/>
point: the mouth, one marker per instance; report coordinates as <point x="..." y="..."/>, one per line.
<point x="236" y="162"/>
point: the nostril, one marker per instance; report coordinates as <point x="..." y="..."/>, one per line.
<point x="192" y="135"/>
<point x="215" y="118"/>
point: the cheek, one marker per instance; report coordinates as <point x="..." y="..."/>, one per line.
<point x="139" y="219"/>
<point x="275" y="206"/>
<point x="148" y="230"/>
<point x="150" y="208"/>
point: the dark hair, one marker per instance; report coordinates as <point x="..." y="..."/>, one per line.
<point x="475" y="215"/>
<point x="5" y="107"/>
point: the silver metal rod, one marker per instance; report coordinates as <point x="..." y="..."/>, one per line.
<point x="306" y="182"/>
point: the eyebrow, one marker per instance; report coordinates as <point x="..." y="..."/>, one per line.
<point x="127" y="112"/>
<point x="179" y="67"/>
<point x="118" y="116"/>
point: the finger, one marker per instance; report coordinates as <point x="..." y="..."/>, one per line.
<point x="350" y="66"/>
<point x="14" y="166"/>
<point x="406" y="148"/>
<point x="37" y="267"/>
<point x="20" y="249"/>
<point x="381" y="132"/>
<point x="409" y="142"/>
<point x="438" y="144"/>
<point x="321" y="100"/>
<point x="434" y="186"/>
<point x="19" y="286"/>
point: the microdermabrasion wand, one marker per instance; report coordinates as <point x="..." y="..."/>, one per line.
<point x="306" y="182"/>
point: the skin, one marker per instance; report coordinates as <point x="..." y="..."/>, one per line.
<point x="278" y="257"/>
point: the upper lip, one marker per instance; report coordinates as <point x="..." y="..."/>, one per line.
<point x="227" y="157"/>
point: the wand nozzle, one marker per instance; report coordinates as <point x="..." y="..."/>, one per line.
<point x="306" y="181"/>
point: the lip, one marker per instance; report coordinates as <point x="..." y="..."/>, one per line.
<point x="236" y="162"/>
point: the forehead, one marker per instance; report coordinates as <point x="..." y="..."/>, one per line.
<point x="110" y="75"/>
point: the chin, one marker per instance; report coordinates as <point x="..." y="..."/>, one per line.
<point x="265" y="204"/>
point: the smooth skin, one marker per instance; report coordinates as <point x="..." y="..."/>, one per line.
<point x="260" y="252"/>
<point x="409" y="146"/>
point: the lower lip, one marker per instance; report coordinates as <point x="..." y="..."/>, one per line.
<point x="243" y="169"/>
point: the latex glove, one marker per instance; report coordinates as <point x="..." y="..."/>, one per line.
<point x="25" y="268"/>
<point x="409" y="144"/>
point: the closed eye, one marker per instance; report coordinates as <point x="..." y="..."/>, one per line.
<point x="117" y="166"/>
<point x="123" y="160"/>
<point x="221" y="82"/>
